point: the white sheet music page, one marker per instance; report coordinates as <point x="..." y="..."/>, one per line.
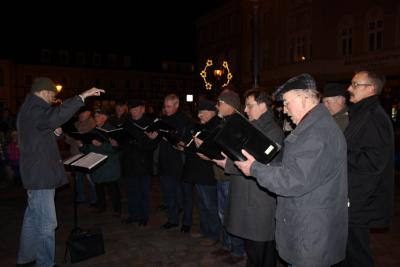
<point x="72" y="159"/>
<point x="90" y="160"/>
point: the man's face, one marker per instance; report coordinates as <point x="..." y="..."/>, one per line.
<point x="253" y="109"/>
<point x="170" y="107"/>
<point x="49" y="96"/>
<point x="120" y="110"/>
<point x="100" y="119"/>
<point x="294" y="106"/>
<point x="334" y="103"/>
<point x="205" y="116"/>
<point x="137" y="112"/>
<point x="361" y="87"/>
<point x="224" y="109"/>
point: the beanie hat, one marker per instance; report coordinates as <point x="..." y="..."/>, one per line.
<point x="207" y="105"/>
<point x="43" y="83"/>
<point x="231" y="98"/>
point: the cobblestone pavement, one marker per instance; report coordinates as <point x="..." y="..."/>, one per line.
<point x="130" y="245"/>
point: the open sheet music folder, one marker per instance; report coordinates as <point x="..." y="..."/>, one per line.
<point x="238" y="133"/>
<point x="85" y="162"/>
<point x="209" y="147"/>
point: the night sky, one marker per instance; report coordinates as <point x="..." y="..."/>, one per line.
<point x="160" y="30"/>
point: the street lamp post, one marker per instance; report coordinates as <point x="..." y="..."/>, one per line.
<point x="255" y="42"/>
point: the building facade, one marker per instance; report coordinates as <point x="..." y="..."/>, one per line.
<point x="328" y="39"/>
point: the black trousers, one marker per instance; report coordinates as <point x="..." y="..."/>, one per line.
<point x="260" y="254"/>
<point x="113" y="191"/>
<point x="358" y="251"/>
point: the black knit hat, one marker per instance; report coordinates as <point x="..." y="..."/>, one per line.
<point x="231" y="98"/>
<point x="43" y="83"/>
<point x="135" y="103"/>
<point x="334" y="89"/>
<point x="302" y="81"/>
<point x="207" y="105"/>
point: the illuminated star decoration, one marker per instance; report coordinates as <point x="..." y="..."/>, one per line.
<point x="203" y="74"/>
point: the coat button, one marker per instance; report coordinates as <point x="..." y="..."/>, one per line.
<point x="284" y="220"/>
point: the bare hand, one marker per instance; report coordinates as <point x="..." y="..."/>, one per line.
<point x="79" y="143"/>
<point x="245" y="166"/>
<point x="151" y="135"/>
<point x="96" y="143"/>
<point x="221" y="162"/>
<point x="197" y="141"/>
<point x="92" y="92"/>
<point x="58" y="131"/>
<point x="180" y="146"/>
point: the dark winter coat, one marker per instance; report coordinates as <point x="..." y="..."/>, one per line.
<point x="139" y="149"/>
<point x="370" y="144"/>
<point x="40" y="163"/>
<point x="311" y="188"/>
<point x="110" y="170"/>
<point x="197" y="170"/>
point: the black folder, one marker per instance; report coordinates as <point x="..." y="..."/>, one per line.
<point x="121" y="135"/>
<point x="209" y="147"/>
<point x="238" y="133"/>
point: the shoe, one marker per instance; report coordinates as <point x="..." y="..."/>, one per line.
<point x="162" y="208"/>
<point x="168" y="225"/>
<point x="31" y="263"/>
<point x="220" y="252"/>
<point x="208" y="242"/>
<point x="92" y="205"/>
<point x="185" y="229"/>
<point x="117" y="214"/>
<point x="232" y="260"/>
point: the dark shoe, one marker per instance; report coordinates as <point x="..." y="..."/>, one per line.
<point x="220" y="252"/>
<point x="117" y="214"/>
<point x="232" y="260"/>
<point x="31" y="263"/>
<point x="185" y="229"/>
<point x="92" y="205"/>
<point x="168" y="225"/>
<point x="162" y="208"/>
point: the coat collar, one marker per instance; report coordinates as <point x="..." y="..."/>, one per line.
<point x="37" y="100"/>
<point x="363" y="105"/>
<point x="312" y="117"/>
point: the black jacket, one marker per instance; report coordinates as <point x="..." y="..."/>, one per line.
<point x="139" y="149"/>
<point x="197" y="170"/>
<point x="171" y="160"/>
<point x="40" y="163"/>
<point x="370" y="146"/>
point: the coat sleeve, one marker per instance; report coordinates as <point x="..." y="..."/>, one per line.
<point x="54" y="117"/>
<point x="299" y="172"/>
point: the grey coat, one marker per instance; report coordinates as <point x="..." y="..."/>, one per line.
<point x="40" y="163"/>
<point x="311" y="185"/>
<point x="251" y="210"/>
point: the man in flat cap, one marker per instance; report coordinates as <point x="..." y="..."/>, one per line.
<point x="311" y="181"/>
<point x="42" y="169"/>
<point x="139" y="156"/>
<point x="334" y="99"/>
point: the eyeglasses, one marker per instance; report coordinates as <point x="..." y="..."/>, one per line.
<point x="356" y="84"/>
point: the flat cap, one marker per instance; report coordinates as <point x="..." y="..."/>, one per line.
<point x="135" y="103"/>
<point x="43" y="83"/>
<point x="334" y="89"/>
<point x="303" y="81"/>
